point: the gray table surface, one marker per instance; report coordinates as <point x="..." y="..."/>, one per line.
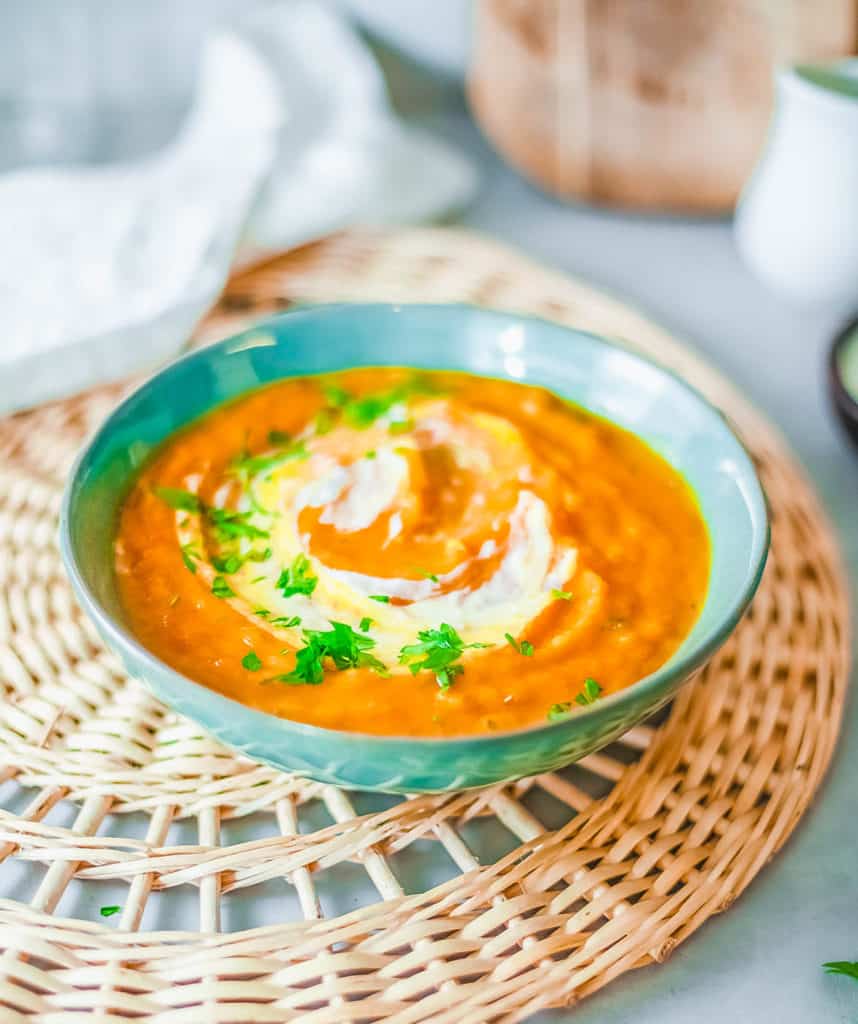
<point x="760" y="961"/>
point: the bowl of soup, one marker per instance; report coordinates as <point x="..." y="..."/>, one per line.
<point x="414" y="548"/>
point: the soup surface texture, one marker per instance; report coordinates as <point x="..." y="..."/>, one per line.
<point x="429" y="554"/>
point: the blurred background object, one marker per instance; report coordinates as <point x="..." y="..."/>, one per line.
<point x="653" y="103"/>
<point x="85" y="81"/>
<point x="118" y="242"/>
<point x="436" y="34"/>
<point x="803" y="197"/>
<point x="843" y="378"/>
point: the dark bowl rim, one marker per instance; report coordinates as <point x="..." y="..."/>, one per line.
<point x="846" y="404"/>
<point x="677" y="672"/>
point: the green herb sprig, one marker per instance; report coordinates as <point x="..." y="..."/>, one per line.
<point x="362" y="411"/>
<point x="525" y="647"/>
<point x="590" y="693"/>
<point x="182" y="501"/>
<point x="298" y="578"/>
<point x="221" y="589"/>
<point x="849" y="968"/>
<point x="344" y="646"/>
<point x="439" y="651"/>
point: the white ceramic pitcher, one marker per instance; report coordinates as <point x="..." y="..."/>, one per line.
<point x="797" y="220"/>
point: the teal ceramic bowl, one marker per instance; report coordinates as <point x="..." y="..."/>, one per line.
<point x="610" y="381"/>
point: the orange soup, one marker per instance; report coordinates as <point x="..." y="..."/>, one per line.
<point x="414" y="554"/>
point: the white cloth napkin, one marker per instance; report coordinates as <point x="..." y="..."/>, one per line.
<point x="105" y="270"/>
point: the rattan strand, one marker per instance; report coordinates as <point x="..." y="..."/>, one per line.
<point x="696" y="808"/>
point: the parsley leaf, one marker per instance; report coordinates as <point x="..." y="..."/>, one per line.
<point x="278" y="438"/>
<point x="438" y="651"/>
<point x="228" y="565"/>
<point x="109" y="911"/>
<point x="324" y="422"/>
<point x="287" y="623"/>
<point x="189" y="554"/>
<point x="298" y="578"/>
<point x="362" y="411"/>
<point x="561" y="595"/>
<point x="178" y="499"/>
<point x="381" y="598"/>
<point x="343" y="645"/>
<point x="246" y="465"/>
<point x="847" y="967"/>
<point x="220" y="588"/>
<point x="525" y="647"/>
<point x="337" y="396"/>
<point x="588" y="695"/>
<point x="365" y="623"/>
<point x="227" y="524"/>
<point x="251" y="661"/>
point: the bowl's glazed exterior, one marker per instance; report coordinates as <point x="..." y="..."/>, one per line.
<point x="606" y="379"/>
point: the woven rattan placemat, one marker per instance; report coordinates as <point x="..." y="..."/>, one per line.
<point x="646" y="840"/>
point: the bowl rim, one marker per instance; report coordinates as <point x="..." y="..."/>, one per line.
<point x="681" y="669"/>
<point x="847" y="405"/>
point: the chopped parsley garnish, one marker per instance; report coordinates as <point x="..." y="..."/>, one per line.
<point x="231" y="563"/>
<point x="287" y="621"/>
<point x="189" y="556"/>
<point x="228" y="565"/>
<point x="846" y="967"/>
<point x="109" y="911"/>
<point x="361" y="411"/>
<point x="263" y="613"/>
<point x="251" y="661"/>
<point x="438" y="651"/>
<point x="246" y="465"/>
<point x="588" y="695"/>
<point x="337" y="396"/>
<point x="259" y="579"/>
<point x="324" y="422"/>
<point x="429" y="576"/>
<point x="371" y="454"/>
<point x="298" y="578"/>
<point x="365" y="624"/>
<point x="278" y="438"/>
<point x="178" y="499"/>
<point x="345" y="647"/>
<point x="400" y="427"/>
<point x="525" y="647"/>
<point x="220" y="588"/>
<point x="561" y="595"/>
<point x="227" y="524"/>
<point x="381" y="598"/>
<point x="254" y="503"/>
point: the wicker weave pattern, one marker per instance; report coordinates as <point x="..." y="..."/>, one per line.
<point x="661" y="831"/>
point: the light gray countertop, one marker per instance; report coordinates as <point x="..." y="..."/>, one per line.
<point x="760" y="961"/>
